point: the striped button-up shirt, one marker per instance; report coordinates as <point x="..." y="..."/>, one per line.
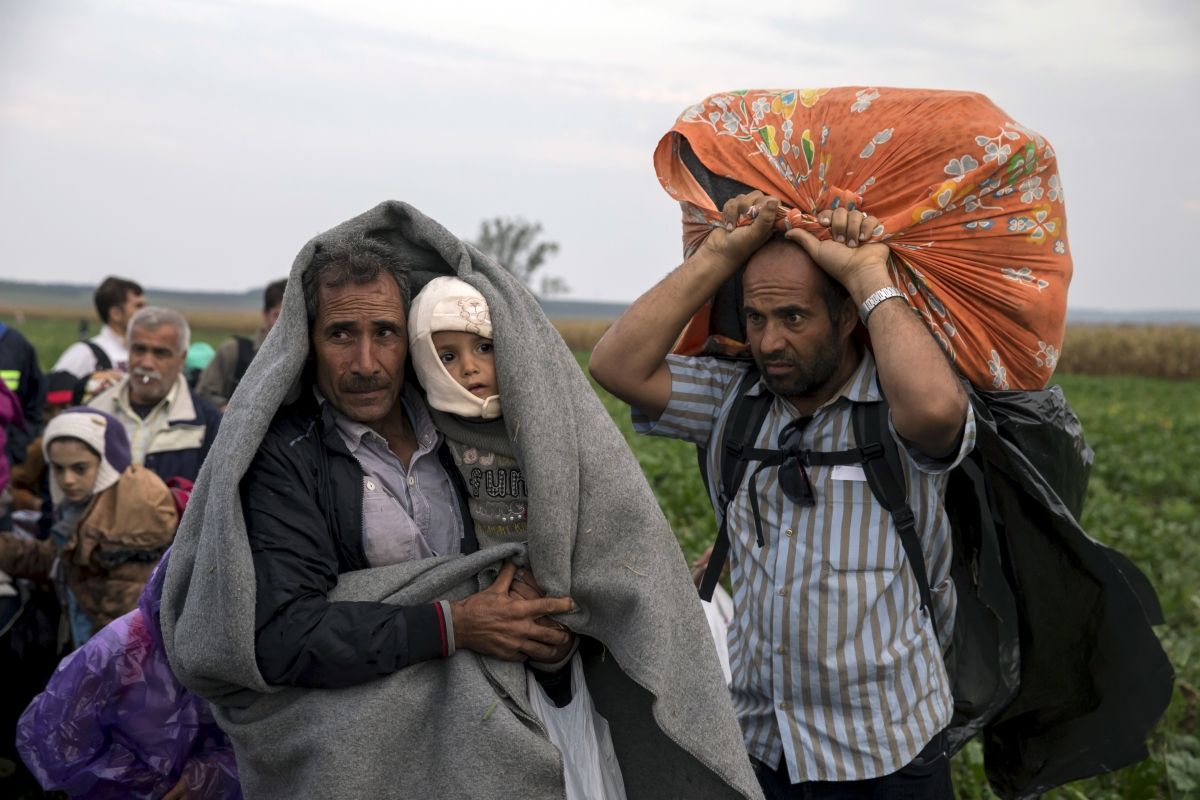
<point x="835" y="667"/>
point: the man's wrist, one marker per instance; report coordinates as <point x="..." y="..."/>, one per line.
<point x="712" y="263"/>
<point x="447" y="619"/>
<point x="555" y="666"/>
<point x="867" y="281"/>
<point x="879" y="296"/>
<point x="426" y="632"/>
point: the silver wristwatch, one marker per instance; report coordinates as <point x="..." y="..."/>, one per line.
<point x="875" y="299"/>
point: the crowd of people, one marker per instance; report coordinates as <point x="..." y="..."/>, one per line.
<point x="421" y="560"/>
<point x="394" y="546"/>
<point x="365" y="470"/>
<point x="97" y="459"/>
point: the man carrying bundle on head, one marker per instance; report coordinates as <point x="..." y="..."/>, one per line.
<point x="850" y="253"/>
<point x="829" y="605"/>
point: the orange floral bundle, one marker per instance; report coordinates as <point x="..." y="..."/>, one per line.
<point x="971" y="204"/>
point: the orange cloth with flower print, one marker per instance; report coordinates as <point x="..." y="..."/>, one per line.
<point x="971" y="204"/>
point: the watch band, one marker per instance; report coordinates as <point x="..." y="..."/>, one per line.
<point x="877" y="297"/>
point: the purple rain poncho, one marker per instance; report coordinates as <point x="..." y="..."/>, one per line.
<point x="113" y="722"/>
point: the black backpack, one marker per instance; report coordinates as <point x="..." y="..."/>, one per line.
<point x="1052" y="657"/>
<point x="244" y="357"/>
<point x="103" y="362"/>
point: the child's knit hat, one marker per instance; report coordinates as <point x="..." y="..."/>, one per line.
<point x="97" y="430"/>
<point x="448" y="304"/>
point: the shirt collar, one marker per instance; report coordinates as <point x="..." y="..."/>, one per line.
<point x="862" y="386"/>
<point x="109" y="336"/>
<point x="353" y="432"/>
<point x="168" y="400"/>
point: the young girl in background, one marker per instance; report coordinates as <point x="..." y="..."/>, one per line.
<point x="112" y="522"/>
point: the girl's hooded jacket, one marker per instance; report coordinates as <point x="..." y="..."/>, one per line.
<point x="121" y="532"/>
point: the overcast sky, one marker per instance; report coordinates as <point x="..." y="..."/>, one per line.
<point x="200" y="143"/>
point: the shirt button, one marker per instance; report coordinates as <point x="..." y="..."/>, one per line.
<point x="411" y="480"/>
<point x="370" y="486"/>
<point x="785" y="705"/>
<point x="781" y="650"/>
<point x="783" y="592"/>
<point x="789" y="532"/>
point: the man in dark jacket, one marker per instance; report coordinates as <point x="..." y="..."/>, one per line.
<point x="354" y="475"/>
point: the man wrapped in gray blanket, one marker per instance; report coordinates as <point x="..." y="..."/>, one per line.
<point x="326" y="593"/>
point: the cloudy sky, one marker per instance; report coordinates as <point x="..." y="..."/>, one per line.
<point x="200" y="143"/>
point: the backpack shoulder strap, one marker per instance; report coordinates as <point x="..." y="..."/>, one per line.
<point x="885" y="475"/>
<point x="742" y="424"/>
<point x="102" y="360"/>
<point x="244" y="357"/>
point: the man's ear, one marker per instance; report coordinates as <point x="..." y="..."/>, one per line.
<point x="848" y="317"/>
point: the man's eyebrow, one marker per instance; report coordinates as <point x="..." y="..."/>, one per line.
<point x="792" y="309"/>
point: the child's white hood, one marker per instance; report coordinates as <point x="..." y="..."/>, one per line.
<point x="448" y="304"/>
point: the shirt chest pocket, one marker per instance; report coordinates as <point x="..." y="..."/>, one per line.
<point x="858" y="534"/>
<point x="389" y="534"/>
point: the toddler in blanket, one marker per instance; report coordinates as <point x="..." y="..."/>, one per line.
<point x="450" y="343"/>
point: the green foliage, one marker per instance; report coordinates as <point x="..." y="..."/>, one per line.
<point x="49" y="337"/>
<point x="670" y="468"/>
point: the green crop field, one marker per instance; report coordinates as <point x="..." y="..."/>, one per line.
<point x="1144" y="499"/>
<point x="53" y="332"/>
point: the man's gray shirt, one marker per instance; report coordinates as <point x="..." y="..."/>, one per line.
<point x="408" y="513"/>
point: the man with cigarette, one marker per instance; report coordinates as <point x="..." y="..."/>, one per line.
<point x="170" y="427"/>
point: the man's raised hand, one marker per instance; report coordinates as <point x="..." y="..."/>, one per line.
<point x="848" y="256"/>
<point x="730" y="245"/>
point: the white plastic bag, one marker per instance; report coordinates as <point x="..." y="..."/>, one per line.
<point x="720" y="613"/>
<point x="579" y="732"/>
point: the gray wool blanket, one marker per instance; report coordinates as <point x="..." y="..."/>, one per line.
<point x="462" y="727"/>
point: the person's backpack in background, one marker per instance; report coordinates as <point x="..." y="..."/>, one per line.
<point x="244" y="356"/>
<point x="83" y="391"/>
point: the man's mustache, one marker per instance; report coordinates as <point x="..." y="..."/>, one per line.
<point x="356" y="384"/>
<point x="146" y="375"/>
<point x="780" y="357"/>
